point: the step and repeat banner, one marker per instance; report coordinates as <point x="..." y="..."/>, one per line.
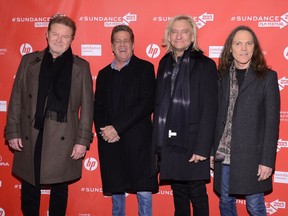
<point x="23" y="25"/>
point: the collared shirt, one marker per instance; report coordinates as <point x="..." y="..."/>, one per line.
<point x="113" y="64"/>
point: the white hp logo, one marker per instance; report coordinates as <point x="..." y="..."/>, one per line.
<point x="90" y="164"/>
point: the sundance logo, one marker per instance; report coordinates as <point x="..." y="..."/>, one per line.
<point x="282" y="144"/>
<point x="283" y="82"/>
<point x="268" y="21"/>
<point x="90" y="164"/>
<point x="274" y="206"/>
<point x="111" y="21"/>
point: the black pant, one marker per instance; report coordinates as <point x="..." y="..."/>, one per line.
<point x="194" y="191"/>
<point x="30" y="199"/>
<point x="30" y="194"/>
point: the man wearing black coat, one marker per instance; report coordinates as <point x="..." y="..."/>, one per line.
<point x="185" y="117"/>
<point x="124" y="101"/>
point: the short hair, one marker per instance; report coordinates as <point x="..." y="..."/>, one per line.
<point x="167" y="32"/>
<point x="258" y="62"/>
<point x="62" y="19"/>
<point x="122" y="28"/>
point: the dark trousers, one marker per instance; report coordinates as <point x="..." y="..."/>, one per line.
<point x="30" y="194"/>
<point x="194" y="191"/>
<point x="30" y="199"/>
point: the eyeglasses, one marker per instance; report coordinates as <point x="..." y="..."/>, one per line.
<point x="125" y="42"/>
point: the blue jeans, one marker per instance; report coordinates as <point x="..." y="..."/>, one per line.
<point x="144" y="204"/>
<point x="254" y="203"/>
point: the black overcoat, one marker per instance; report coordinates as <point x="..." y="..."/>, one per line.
<point x="126" y="165"/>
<point x="255" y="127"/>
<point x="175" y="165"/>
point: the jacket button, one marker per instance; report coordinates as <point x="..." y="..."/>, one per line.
<point x="62" y="138"/>
<point x="26" y="137"/>
<point x="30" y="96"/>
<point x="224" y="122"/>
<point x="28" y="116"/>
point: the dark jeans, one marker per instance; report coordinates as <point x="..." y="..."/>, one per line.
<point x="194" y="191"/>
<point x="30" y="194"/>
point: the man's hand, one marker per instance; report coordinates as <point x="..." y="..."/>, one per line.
<point x="109" y="134"/>
<point x="16" y="144"/>
<point x="78" y="152"/>
<point x="195" y="158"/>
<point x="264" y="172"/>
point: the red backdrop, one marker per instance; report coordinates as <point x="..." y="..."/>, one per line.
<point x="22" y="30"/>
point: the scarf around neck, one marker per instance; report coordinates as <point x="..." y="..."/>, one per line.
<point x="173" y="120"/>
<point x="54" y="88"/>
<point x="223" y="151"/>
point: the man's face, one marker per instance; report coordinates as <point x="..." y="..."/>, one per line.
<point x="122" y="46"/>
<point x="59" y="39"/>
<point x="242" y="49"/>
<point x="180" y="36"/>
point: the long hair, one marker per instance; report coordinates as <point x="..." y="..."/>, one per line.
<point x="62" y="19"/>
<point x="167" y="32"/>
<point x="258" y="62"/>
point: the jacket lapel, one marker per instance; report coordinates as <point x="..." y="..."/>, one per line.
<point x="226" y="86"/>
<point x="34" y="66"/>
<point x="249" y="78"/>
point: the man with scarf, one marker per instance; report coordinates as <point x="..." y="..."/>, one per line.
<point x="247" y="127"/>
<point x="185" y="116"/>
<point x="49" y="120"/>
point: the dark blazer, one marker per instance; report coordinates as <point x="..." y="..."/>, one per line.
<point x="58" y="138"/>
<point x="126" y="165"/>
<point x="175" y="165"/>
<point x="255" y="128"/>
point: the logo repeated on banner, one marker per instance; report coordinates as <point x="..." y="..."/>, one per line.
<point x="200" y="20"/>
<point x="282" y="82"/>
<point x="153" y="50"/>
<point x="3" y="106"/>
<point x="3" y="163"/>
<point x="282" y="144"/>
<point x="91" y="190"/>
<point x="2" y="212"/>
<point x="3" y="51"/>
<point x="285" y="53"/>
<point x="215" y="51"/>
<point x="91" y="50"/>
<point x="284" y="116"/>
<point x="271" y="207"/>
<point x="111" y="21"/>
<point x="268" y="21"/>
<point x="90" y="164"/>
<point x="274" y="206"/>
<point x="281" y="177"/>
<point x="25" y="48"/>
<point x="165" y="192"/>
<point x="39" y="22"/>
